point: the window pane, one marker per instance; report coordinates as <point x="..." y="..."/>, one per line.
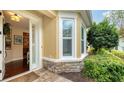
<point x="33" y="44"/>
<point x="82" y="44"/>
<point x="67" y="28"/>
<point x="82" y="33"/>
<point x="67" y="47"/>
<point x="82" y="40"/>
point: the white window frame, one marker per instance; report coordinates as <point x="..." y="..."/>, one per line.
<point x="84" y="39"/>
<point x="73" y="16"/>
<point x="68" y="38"/>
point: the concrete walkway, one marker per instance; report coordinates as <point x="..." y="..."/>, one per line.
<point x="47" y="76"/>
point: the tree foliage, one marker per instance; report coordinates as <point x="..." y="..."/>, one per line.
<point x="103" y="35"/>
<point x="117" y="17"/>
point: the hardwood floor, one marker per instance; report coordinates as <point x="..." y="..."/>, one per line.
<point x="15" y="67"/>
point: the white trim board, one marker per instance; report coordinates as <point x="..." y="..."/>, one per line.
<point x="65" y="59"/>
<point x="11" y="60"/>
<point x="85" y="38"/>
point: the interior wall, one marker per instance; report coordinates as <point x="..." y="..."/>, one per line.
<point x="16" y="51"/>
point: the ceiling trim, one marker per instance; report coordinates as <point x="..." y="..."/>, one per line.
<point x="48" y="13"/>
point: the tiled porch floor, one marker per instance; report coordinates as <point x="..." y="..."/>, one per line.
<point x="42" y="75"/>
<point x="47" y="76"/>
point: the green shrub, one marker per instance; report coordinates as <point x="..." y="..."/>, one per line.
<point x="118" y="53"/>
<point x="102" y="35"/>
<point x="104" y="67"/>
<point x="90" y="50"/>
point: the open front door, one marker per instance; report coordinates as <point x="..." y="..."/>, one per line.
<point x="34" y="45"/>
<point x="2" y="48"/>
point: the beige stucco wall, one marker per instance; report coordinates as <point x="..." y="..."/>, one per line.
<point x="78" y="35"/>
<point x="50" y="37"/>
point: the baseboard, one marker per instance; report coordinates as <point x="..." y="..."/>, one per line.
<point x="13" y="60"/>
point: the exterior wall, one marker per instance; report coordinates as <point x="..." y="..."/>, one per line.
<point x="80" y="24"/>
<point x="49" y="37"/>
<point x="63" y="66"/>
<point x="121" y="44"/>
<point x="52" y="31"/>
<point x="78" y="36"/>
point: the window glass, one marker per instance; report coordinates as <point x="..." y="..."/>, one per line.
<point x="82" y="33"/>
<point x="82" y="40"/>
<point x="67" y="28"/>
<point x="67" y="47"/>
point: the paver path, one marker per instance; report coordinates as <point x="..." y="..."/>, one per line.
<point x="41" y="75"/>
<point x="47" y="76"/>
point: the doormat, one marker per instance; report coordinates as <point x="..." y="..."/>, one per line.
<point x="26" y="78"/>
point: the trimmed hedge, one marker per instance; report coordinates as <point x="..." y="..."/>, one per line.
<point x="118" y="53"/>
<point x="104" y="67"/>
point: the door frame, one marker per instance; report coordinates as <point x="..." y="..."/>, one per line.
<point x="37" y="45"/>
<point x="38" y="20"/>
<point x="2" y="47"/>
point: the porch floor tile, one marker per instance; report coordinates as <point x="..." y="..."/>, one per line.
<point x="43" y="75"/>
<point x="47" y="76"/>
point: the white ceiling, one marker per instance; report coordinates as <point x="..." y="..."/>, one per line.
<point x="23" y="23"/>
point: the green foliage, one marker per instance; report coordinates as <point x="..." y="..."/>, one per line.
<point x="104" y="67"/>
<point x="117" y="17"/>
<point x="118" y="53"/>
<point x="103" y="35"/>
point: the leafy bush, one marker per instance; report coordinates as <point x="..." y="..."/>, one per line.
<point x="103" y="35"/>
<point x="104" y="67"/>
<point x="118" y="53"/>
<point x="90" y="50"/>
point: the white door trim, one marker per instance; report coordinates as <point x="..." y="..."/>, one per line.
<point x="37" y="19"/>
<point x="38" y="44"/>
<point x="2" y="49"/>
<point x="34" y="18"/>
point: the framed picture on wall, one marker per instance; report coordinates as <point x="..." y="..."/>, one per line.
<point x="18" y="39"/>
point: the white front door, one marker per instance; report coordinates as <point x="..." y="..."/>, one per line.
<point x="34" y="45"/>
<point x="2" y="48"/>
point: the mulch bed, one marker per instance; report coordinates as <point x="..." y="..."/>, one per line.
<point x="76" y="77"/>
